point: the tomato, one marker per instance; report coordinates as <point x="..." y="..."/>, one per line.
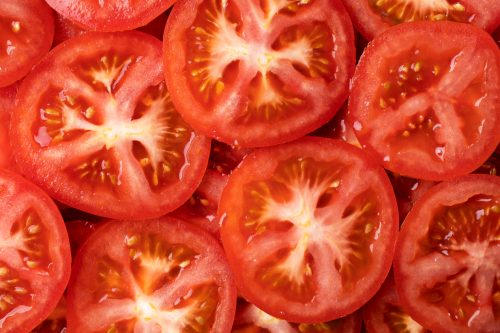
<point x="307" y="240"/>
<point x="224" y="158"/>
<point x="424" y="99"/>
<point x="250" y="319"/>
<point x="338" y="128"/>
<point x="372" y="17"/>
<point x="408" y="191"/>
<point x="384" y="314"/>
<point x="117" y="15"/>
<point x="7" y="104"/>
<point x="492" y="165"/>
<point x="56" y="321"/>
<point x="156" y="26"/>
<point x="65" y="29"/>
<point x="151" y="276"/>
<point x="95" y="128"/>
<point x="35" y="257"/>
<point x="27" y="29"/>
<point x="258" y="73"/>
<point x="448" y="257"/>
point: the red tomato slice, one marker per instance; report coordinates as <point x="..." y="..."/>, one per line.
<point x="151" y="276"/>
<point x="250" y="319"/>
<point x="447" y="262"/>
<point x="26" y="32"/>
<point x="65" y="29"/>
<point x="201" y="208"/>
<point x="384" y="314"/>
<point x="110" y="15"/>
<point x="309" y="241"/>
<point x="7" y="105"/>
<point x="35" y="259"/>
<point x="56" y="321"/>
<point x="95" y="127"/>
<point x="258" y="73"/>
<point x="425" y="99"/>
<point x="372" y="17"/>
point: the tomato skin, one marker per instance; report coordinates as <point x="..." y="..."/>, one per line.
<point x="173" y="230"/>
<point x="17" y="193"/>
<point x="65" y="29"/>
<point x="260" y="165"/>
<point x="112" y="16"/>
<point x="439" y="265"/>
<point x="364" y="107"/>
<point x="7" y="105"/>
<point x="211" y="120"/>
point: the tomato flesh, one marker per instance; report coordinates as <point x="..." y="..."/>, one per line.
<point x="151" y="276"/>
<point x="299" y="231"/>
<point x="456" y="254"/>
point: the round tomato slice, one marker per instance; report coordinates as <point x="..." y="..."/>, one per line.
<point x="26" y="33"/>
<point x="307" y="238"/>
<point x="35" y="259"/>
<point x="151" y="276"/>
<point x="384" y="314"/>
<point x="425" y="99"/>
<point x="251" y="319"/>
<point x="258" y="73"/>
<point x="447" y="263"/>
<point x="95" y="127"/>
<point x="372" y="17"/>
<point x="115" y="15"/>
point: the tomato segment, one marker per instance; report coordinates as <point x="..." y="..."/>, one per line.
<point x="150" y="276"/>
<point x="102" y="120"/>
<point x="456" y="254"/>
<point x="248" y="71"/>
<point x="428" y="112"/>
<point x="305" y="231"/>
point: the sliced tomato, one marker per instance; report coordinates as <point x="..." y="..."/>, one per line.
<point x="151" y="276"/>
<point x="251" y="319"/>
<point x="95" y="128"/>
<point x="65" y="29"/>
<point x="26" y="33"/>
<point x="35" y="259"/>
<point x="425" y="99"/>
<point x="307" y="238"/>
<point x="116" y="15"/>
<point x="258" y="73"/>
<point x="447" y="261"/>
<point x="372" y="17"/>
<point x="384" y="314"/>
<point x="492" y="165"/>
<point x="56" y="321"/>
<point x="201" y="208"/>
<point x="7" y="105"/>
<point x="157" y="26"/>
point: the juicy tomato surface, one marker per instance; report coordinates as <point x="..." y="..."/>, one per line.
<point x="56" y="321"/>
<point x="95" y="127"/>
<point x="201" y="208"/>
<point x="7" y="105"/>
<point x="309" y="229"/>
<point x="251" y="319"/>
<point x="425" y="97"/>
<point x="35" y="257"/>
<point x="372" y="17"/>
<point x="116" y="15"/>
<point x="151" y="276"/>
<point x="26" y="33"/>
<point x="447" y="260"/>
<point x="65" y="29"/>
<point x="258" y="73"/>
<point x="384" y="314"/>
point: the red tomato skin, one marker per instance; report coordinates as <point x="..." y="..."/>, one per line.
<point x="7" y="104"/>
<point x="300" y="315"/>
<point x="38" y="13"/>
<point x="23" y="186"/>
<point x="357" y="105"/>
<point x="240" y="136"/>
<point x="89" y="16"/>
<point x="65" y="29"/>
<point x="459" y="189"/>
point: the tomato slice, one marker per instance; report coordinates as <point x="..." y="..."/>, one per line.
<point x="116" y="15"/>
<point x="35" y="259"/>
<point x="7" y="105"/>
<point x="251" y="319"/>
<point x="372" y="17"/>
<point x="56" y="321"/>
<point x="26" y="32"/>
<point x="307" y="240"/>
<point x="201" y="208"/>
<point x="151" y="276"/>
<point x="384" y="314"/>
<point x="95" y="127"/>
<point x="65" y="29"/>
<point x="447" y="261"/>
<point x="424" y="99"/>
<point x="492" y="165"/>
<point x="258" y="73"/>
